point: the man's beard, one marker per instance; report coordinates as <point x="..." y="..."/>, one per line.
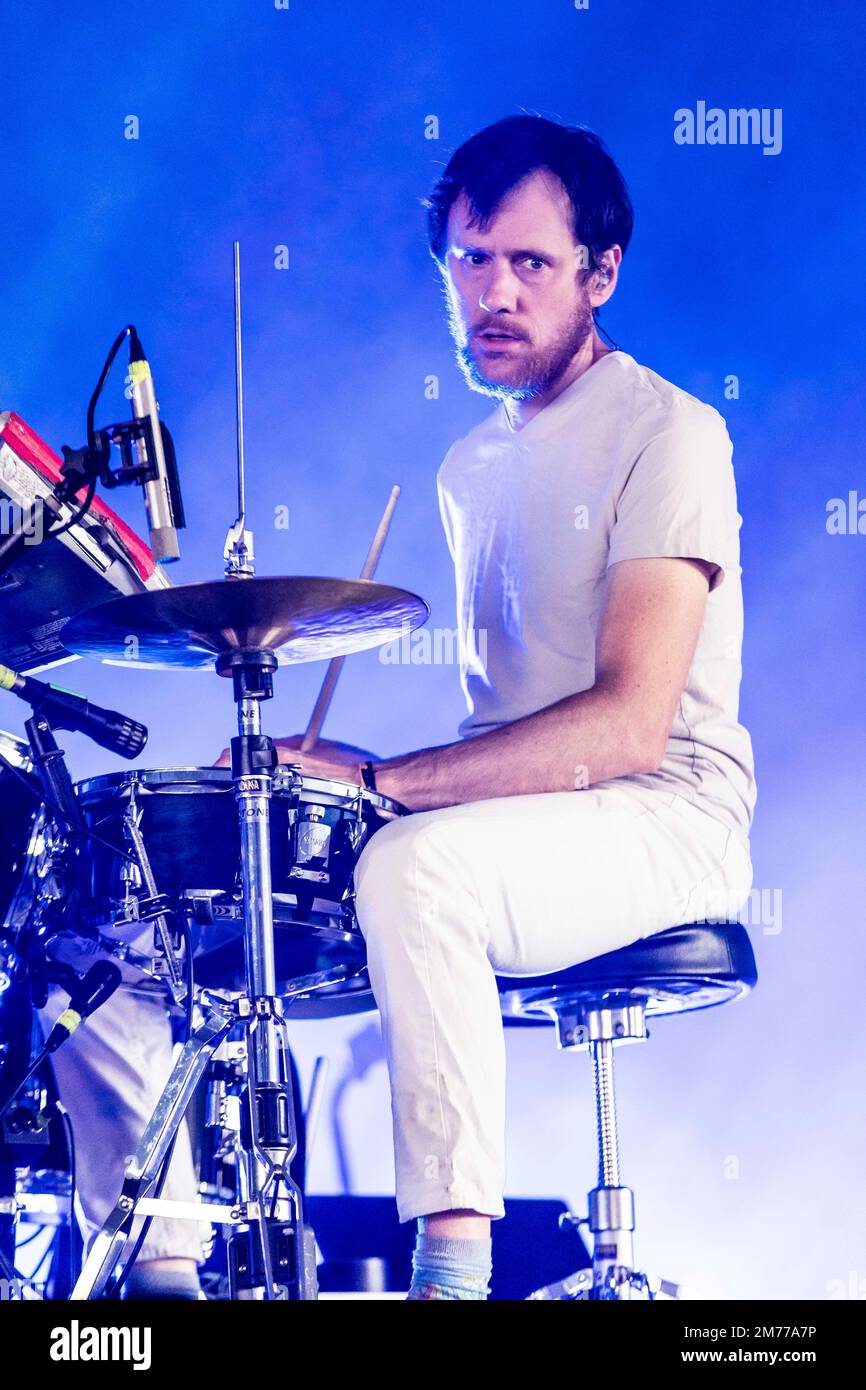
<point x="539" y="369"/>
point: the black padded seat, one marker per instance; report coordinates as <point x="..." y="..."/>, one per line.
<point x="693" y="966"/>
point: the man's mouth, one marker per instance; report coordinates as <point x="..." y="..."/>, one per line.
<point x="493" y="338"/>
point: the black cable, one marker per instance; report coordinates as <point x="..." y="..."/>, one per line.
<point x="121" y="1278"/>
<point x="10" y="1273"/>
<point x="33" y="1066"/>
<point x="78" y="514"/>
<point x="81" y="827"/>
<point x="601" y="328"/>
<point x="22" y="1244"/>
<point x="52" y="1248"/>
<point x="14" y="1275"/>
<point x="91" y="436"/>
<point x="34" y="1277"/>
<point x="70" y="1150"/>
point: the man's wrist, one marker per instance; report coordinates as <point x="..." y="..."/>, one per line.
<point x="387" y="779"/>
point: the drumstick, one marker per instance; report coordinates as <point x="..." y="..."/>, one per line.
<point x="335" y="665"/>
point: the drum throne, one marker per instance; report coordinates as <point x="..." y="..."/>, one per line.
<point x="603" y="1003"/>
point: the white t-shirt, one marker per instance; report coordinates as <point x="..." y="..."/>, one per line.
<point x="621" y="465"/>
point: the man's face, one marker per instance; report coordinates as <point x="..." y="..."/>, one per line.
<point x="518" y="310"/>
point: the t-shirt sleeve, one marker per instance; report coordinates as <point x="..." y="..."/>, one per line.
<point x="444" y="503"/>
<point x="679" y="497"/>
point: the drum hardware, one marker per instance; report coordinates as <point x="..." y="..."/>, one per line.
<point x="266" y="1140"/>
<point x="36" y="1179"/>
<point x="54" y="929"/>
<point x="244" y="627"/>
<point x="49" y="765"/>
<point x="35" y="1134"/>
<point x="53" y="1208"/>
<point x="91" y="903"/>
<point x="47" y="761"/>
<point x="168" y="943"/>
<point x="306" y="985"/>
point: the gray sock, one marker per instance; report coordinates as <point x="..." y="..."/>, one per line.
<point x="147" y="1283"/>
<point x="448" y="1268"/>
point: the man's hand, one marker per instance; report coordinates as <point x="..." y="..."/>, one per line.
<point x="340" y="762"/>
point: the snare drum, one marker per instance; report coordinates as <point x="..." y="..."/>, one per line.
<point x="188" y="822"/>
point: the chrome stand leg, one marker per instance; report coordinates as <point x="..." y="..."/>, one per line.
<point x="276" y="1260"/>
<point x="143" y="1168"/>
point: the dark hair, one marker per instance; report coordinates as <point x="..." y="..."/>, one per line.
<point x="492" y="161"/>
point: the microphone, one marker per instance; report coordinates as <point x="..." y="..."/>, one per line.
<point x="162" y="497"/>
<point x="66" y="710"/>
<point x="91" y="991"/>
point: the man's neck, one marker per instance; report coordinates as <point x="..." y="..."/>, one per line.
<point x="521" y="412"/>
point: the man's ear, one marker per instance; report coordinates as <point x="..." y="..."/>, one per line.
<point x="603" y="280"/>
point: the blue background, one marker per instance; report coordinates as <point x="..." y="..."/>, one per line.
<point x="743" y="1131"/>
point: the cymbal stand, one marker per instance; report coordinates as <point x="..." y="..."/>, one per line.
<point x="271" y="1254"/>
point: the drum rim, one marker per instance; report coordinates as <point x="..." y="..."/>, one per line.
<point x="150" y="777"/>
<point x="16" y="750"/>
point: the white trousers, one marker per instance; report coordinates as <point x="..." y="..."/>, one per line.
<point x="516" y="885"/>
<point x="519" y="885"/>
<point x="110" y="1074"/>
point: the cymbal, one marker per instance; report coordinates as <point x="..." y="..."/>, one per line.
<point x="298" y="618"/>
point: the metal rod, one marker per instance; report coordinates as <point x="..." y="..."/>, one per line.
<point x="605" y="1097"/>
<point x="238" y="551"/>
<point x="239" y="387"/>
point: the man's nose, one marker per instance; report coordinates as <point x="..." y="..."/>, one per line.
<point x="500" y="290"/>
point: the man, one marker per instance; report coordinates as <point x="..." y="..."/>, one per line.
<point x="602" y="789"/>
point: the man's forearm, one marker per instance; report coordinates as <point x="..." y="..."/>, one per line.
<point x="585" y="738"/>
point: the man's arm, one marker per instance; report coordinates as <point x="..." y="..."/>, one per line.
<point x="648" y="630"/>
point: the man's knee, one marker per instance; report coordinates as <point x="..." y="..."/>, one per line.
<point x="383" y="867"/>
<point x="399" y="867"/>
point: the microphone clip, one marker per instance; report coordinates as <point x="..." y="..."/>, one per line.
<point x="136" y="465"/>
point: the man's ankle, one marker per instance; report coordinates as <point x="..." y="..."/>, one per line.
<point x="169" y="1278"/>
<point x="449" y="1268"/>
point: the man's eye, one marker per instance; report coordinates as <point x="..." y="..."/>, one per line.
<point x="535" y="262"/>
<point x="475" y="258"/>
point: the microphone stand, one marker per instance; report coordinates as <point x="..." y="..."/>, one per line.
<point x="50" y="764"/>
